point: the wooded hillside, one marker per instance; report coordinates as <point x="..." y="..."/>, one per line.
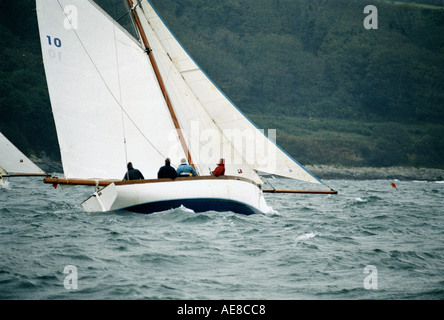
<point x="336" y="92"/>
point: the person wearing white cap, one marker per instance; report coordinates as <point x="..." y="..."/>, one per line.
<point x="185" y="170"/>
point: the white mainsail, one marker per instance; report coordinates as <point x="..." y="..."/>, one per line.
<point x="107" y="105"/>
<point x="13" y="161"/>
<point x="223" y="114"/>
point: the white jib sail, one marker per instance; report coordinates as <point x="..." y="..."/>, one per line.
<point x="13" y="161"/>
<point x="206" y="142"/>
<point x="256" y="150"/>
<point x="107" y="104"/>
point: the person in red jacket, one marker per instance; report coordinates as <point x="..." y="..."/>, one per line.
<point x="220" y="169"/>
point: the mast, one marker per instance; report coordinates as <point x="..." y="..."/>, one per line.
<point x="161" y="83"/>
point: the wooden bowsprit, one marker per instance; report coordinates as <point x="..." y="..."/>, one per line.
<point x="302" y="191"/>
<point x="26" y="175"/>
<point x="77" y="182"/>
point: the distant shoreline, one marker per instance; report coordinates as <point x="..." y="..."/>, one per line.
<point x="325" y="171"/>
<point x="374" y="173"/>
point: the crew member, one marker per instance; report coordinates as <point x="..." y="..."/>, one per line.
<point x="185" y="170"/>
<point x="132" y="174"/>
<point x="220" y="169"/>
<point x="167" y="171"/>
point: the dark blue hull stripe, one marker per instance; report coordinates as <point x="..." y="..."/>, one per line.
<point x="197" y="205"/>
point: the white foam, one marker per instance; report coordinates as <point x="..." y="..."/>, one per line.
<point x="4" y="184"/>
<point x="305" y="236"/>
<point x="270" y="210"/>
<point x="185" y="209"/>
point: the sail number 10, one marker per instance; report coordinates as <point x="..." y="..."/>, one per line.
<point x="56" y="41"/>
<point x="54" y="53"/>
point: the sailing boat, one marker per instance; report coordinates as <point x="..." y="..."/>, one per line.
<point x="13" y="163"/>
<point x="117" y="99"/>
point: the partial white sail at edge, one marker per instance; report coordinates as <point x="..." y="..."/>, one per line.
<point x="13" y="161"/>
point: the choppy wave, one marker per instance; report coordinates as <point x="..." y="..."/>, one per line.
<point x="309" y="248"/>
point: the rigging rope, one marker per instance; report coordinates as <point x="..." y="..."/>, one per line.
<point x="120" y="95"/>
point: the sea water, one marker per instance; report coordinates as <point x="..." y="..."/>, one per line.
<point x="371" y="241"/>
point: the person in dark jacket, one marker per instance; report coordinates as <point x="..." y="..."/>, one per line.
<point x="167" y="171"/>
<point x="220" y="169"/>
<point x="132" y="174"/>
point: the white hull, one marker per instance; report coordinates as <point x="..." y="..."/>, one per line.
<point x="201" y="194"/>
